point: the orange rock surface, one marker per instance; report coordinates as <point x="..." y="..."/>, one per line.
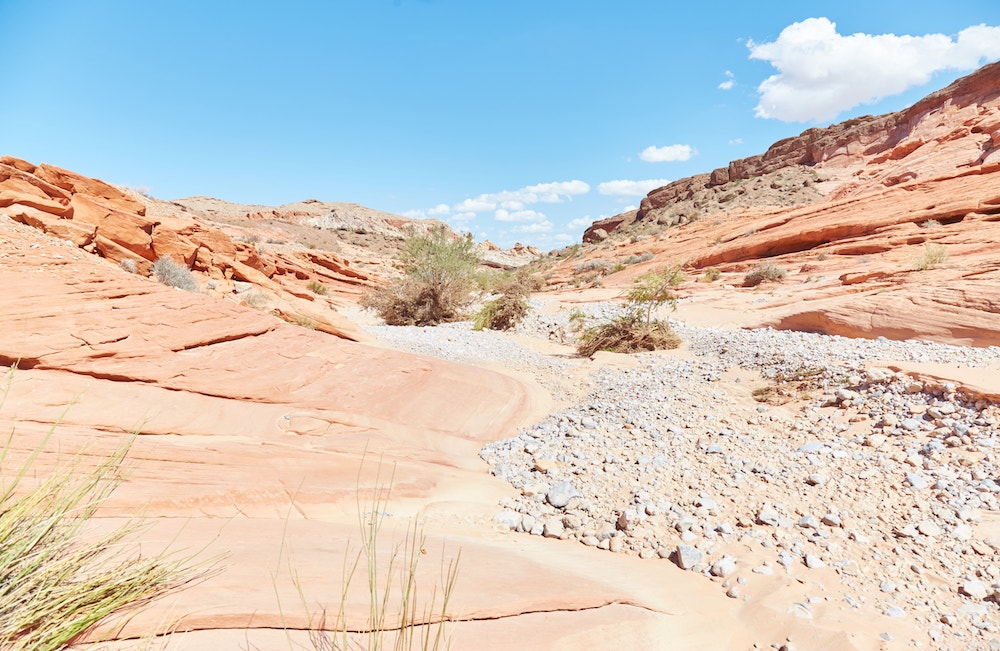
<point x="898" y="188"/>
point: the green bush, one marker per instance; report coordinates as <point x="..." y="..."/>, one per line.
<point x="170" y="273"/>
<point x="438" y="283"/>
<point x="503" y="313"/>
<point x="763" y="273"/>
<point x="636" y="330"/>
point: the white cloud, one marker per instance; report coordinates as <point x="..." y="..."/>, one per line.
<point x="579" y="222"/>
<point x="624" y="188"/>
<point x="670" y="153"/>
<point x="629" y="207"/>
<point x="729" y="82"/>
<point x="537" y="227"/>
<point x="517" y="199"/>
<point x="519" y="216"/>
<point x="415" y="214"/>
<point x="440" y="209"/>
<point x="462" y="217"/>
<point x="821" y="72"/>
<point x="563" y="237"/>
<point x="736" y="141"/>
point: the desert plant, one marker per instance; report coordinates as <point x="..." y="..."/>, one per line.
<point x="712" y="274"/>
<point x="317" y="287"/>
<point x="763" y="273"/>
<point x="170" y="273"/>
<point x="597" y="264"/>
<point x="930" y="223"/>
<point x="635" y="329"/>
<point x="59" y="580"/>
<point x="438" y="282"/>
<point x="127" y="264"/>
<point x="507" y="310"/>
<point x="933" y="255"/>
<point x="502" y="313"/>
<point x="400" y="616"/>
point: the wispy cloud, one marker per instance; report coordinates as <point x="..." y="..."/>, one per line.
<point x="821" y="72"/>
<point x="516" y="200"/>
<point x="440" y="209"/>
<point x="626" y="188"/>
<point x="729" y="82"/>
<point x="670" y="153"/>
<point x="502" y="215"/>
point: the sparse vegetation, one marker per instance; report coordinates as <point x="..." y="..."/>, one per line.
<point x="400" y="615"/>
<point x="930" y="223"/>
<point x="506" y="311"/>
<point x="317" y="287"/>
<point x="170" y="273"/>
<point x="712" y="274"/>
<point x="597" y="264"/>
<point x="128" y="264"/>
<point x="438" y="285"/>
<point x="933" y="255"/>
<point x="763" y="273"/>
<point x="57" y="578"/>
<point x="635" y="329"/>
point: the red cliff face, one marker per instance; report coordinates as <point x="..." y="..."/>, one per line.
<point x="888" y="190"/>
<point x="957" y="127"/>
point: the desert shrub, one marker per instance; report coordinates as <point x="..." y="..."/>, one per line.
<point x="58" y="577"/>
<point x="438" y="282"/>
<point x="503" y="313"/>
<point x="930" y="223"/>
<point x="316" y="287"/>
<point x="128" y="264"/>
<point x="933" y="255"/>
<point x="597" y="264"/>
<point x="635" y="329"/>
<point x="170" y="273"/>
<point x="763" y="273"/>
<point x="712" y="274"/>
<point x="618" y="267"/>
<point x="506" y="311"/>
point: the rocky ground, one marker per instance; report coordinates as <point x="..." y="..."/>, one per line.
<point x="753" y="456"/>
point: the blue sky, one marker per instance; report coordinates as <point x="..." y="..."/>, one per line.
<point x="515" y="120"/>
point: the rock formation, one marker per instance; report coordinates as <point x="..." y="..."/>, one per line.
<point x="855" y="208"/>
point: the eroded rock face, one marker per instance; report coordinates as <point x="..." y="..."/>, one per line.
<point x="868" y="204"/>
<point x="105" y="220"/>
<point x="956" y="127"/>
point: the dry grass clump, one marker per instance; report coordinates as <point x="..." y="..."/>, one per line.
<point x="317" y="287"/>
<point x="170" y="273"/>
<point x="933" y="255"/>
<point x="439" y="282"/>
<point x="57" y="579"/>
<point x="763" y="273"/>
<point x="636" y="330"/>
<point x="712" y="274"/>
<point x="401" y="612"/>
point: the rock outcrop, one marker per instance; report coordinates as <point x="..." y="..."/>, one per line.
<point x="888" y="225"/>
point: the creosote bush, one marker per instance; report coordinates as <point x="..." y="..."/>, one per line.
<point x="170" y="273"/>
<point x="712" y="274"/>
<point x="438" y="284"/>
<point x="763" y="273"/>
<point x="635" y="329"/>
